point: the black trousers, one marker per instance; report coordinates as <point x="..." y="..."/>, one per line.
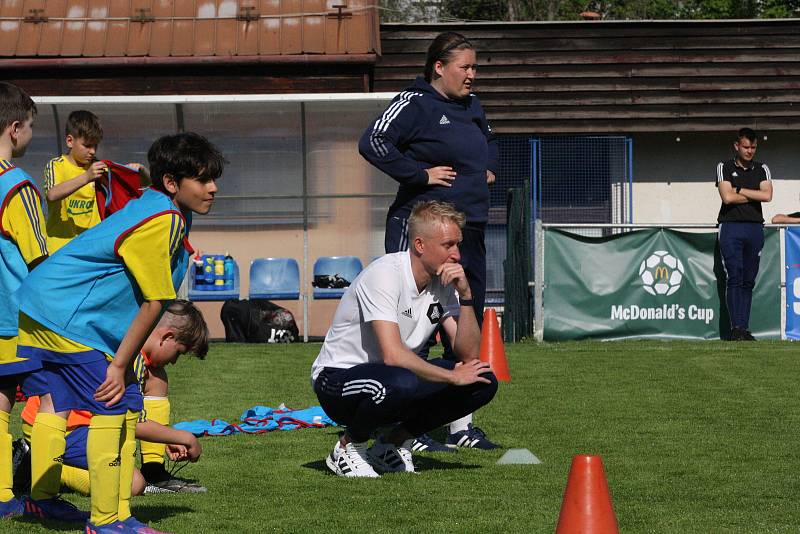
<point x="740" y="244"/>
<point x="368" y="396"/>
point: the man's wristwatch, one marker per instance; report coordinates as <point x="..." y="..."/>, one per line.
<point x="738" y="190"/>
<point x="466" y="302"/>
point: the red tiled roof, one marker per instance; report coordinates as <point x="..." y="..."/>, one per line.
<point x="186" y="28"/>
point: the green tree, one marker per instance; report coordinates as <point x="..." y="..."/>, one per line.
<point x="780" y="9"/>
<point x="543" y="10"/>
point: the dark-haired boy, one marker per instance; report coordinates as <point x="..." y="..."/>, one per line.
<point x="23" y="244"/>
<point x="88" y="311"/>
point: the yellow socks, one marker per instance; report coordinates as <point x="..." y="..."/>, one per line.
<point x="6" y="475"/>
<point x="103" y="454"/>
<point x="157" y="409"/>
<point x="26" y="431"/>
<point x="48" y="442"/>
<point x="76" y="479"/>
<point x="127" y="458"/>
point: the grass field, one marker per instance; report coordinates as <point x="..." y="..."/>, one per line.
<point x="696" y="437"/>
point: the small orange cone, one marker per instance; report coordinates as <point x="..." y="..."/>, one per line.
<point x="587" y="505"/>
<point x="492" y="350"/>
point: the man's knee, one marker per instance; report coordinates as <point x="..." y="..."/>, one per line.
<point x="486" y="392"/>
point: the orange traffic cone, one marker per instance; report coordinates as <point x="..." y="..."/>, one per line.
<point x="492" y="350"/>
<point x="587" y="505"/>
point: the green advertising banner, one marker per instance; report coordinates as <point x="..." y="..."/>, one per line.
<point x="653" y="283"/>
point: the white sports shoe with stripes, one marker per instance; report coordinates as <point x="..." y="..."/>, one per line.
<point x="350" y="461"/>
<point x="388" y="458"/>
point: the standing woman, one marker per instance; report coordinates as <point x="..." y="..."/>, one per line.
<point x="435" y="141"/>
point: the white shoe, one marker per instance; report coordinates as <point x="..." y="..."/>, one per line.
<point x="388" y="458"/>
<point x="350" y="461"/>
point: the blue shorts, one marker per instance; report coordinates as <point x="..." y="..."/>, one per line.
<point x="72" y="387"/>
<point x="32" y="383"/>
<point x="75" y="453"/>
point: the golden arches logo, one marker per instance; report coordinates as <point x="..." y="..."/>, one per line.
<point x="661" y="273"/>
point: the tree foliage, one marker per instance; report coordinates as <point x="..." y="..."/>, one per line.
<point x="544" y="10"/>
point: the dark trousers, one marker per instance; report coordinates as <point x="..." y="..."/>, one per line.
<point x="740" y="244"/>
<point x="368" y="396"/>
<point x="472" y="249"/>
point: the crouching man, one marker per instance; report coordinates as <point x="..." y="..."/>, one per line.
<point x="367" y="375"/>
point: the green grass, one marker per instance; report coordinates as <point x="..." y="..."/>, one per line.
<point x="695" y="437"/>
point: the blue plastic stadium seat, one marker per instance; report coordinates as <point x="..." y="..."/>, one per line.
<point x="346" y="267"/>
<point x="274" y="278"/>
<point x="197" y="295"/>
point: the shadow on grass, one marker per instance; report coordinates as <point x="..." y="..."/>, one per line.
<point x="148" y="514"/>
<point x="429" y="463"/>
<point x="49" y="524"/>
<point x="421" y="463"/>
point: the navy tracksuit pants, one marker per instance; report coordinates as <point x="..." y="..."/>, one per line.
<point x="371" y="395"/>
<point x="472" y="249"/>
<point x="740" y="244"/>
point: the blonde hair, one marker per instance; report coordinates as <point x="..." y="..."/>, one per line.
<point x="431" y="212"/>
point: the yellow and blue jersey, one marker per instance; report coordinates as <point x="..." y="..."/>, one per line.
<point x="89" y="293"/>
<point x="71" y="216"/>
<point x="144" y="253"/>
<point x="22" y="241"/>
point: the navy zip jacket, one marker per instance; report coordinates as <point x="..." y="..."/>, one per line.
<point x="422" y="129"/>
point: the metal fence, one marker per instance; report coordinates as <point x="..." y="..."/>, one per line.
<point x="582" y="179"/>
<point x="515" y="168"/>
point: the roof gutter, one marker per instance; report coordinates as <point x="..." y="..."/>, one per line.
<point x="171" y="61"/>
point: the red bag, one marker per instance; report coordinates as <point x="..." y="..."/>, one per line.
<point x="119" y="185"/>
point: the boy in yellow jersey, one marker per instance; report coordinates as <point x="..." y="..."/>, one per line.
<point x="23" y="245"/>
<point x="87" y="312"/>
<point x="182" y="329"/>
<point x="157" y="354"/>
<point x="69" y="181"/>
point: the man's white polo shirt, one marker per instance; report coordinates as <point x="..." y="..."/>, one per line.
<point x="384" y="291"/>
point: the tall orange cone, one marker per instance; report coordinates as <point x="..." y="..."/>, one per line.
<point x="492" y="350"/>
<point x="587" y="505"/>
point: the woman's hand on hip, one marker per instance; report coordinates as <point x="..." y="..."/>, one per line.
<point x="441" y="176"/>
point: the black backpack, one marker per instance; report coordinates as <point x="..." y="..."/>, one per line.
<point x="258" y="321"/>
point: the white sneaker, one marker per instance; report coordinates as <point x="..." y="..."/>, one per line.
<point x="350" y="461"/>
<point x="391" y="459"/>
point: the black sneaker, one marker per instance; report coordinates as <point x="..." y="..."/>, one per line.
<point x="473" y="438"/>
<point x="174" y="485"/>
<point x="736" y="334"/>
<point x="159" y="480"/>
<point x="747" y="336"/>
<point x="21" y="466"/>
<point x="425" y="443"/>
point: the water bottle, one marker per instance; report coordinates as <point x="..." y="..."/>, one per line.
<point x="199" y="277"/>
<point x="208" y="270"/>
<point x="219" y="272"/>
<point x="229" y="272"/>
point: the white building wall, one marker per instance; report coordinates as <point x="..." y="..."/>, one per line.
<point x="699" y="202"/>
